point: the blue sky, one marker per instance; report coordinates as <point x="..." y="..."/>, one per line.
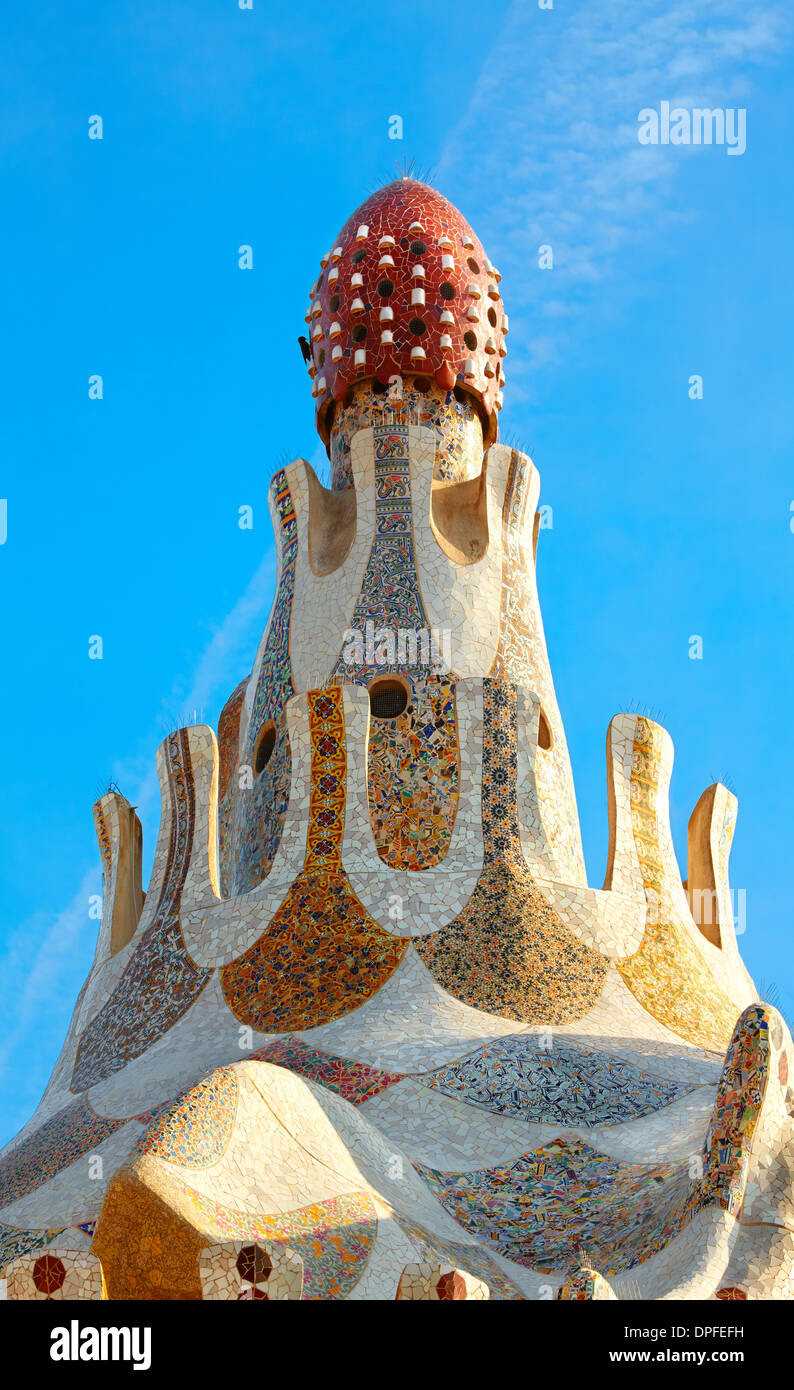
<point x="222" y="126"/>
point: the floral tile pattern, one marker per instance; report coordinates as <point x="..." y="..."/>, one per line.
<point x="334" y="1238"/>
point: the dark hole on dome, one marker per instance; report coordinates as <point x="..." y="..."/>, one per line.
<point x="359" y="333"/>
<point x="321" y="358"/>
<point x="358" y="256"/>
<point x="378" y="387"/>
<point x="492" y="317"/>
<point x="417" y="248"/>
<point x="417" y="327"/>
<point x="460" y="395"/>
<point x="422" y="385"/>
<point x="334" y="303"/>
<point x="264" y="748"/>
<point x="470" y="339"/>
<point x="387" y="699"/>
<point x="446" y="290"/>
<point x="385" y="288"/>
<point x="473" y="266"/>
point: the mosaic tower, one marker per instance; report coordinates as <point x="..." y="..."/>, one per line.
<point x="369" y="1033"/>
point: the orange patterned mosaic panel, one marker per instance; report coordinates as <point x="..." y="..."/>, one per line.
<point x="412" y="778"/>
<point x="322" y="955"/>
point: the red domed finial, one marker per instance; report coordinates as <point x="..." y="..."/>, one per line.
<point x="407" y="288"/>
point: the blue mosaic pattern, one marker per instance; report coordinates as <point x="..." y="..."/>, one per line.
<point x="259" y="814"/>
<point x="159" y="982"/>
<point x="563" y="1084"/>
<point x="14" y="1242"/>
<point x="255" y="816"/>
<point x="61" y="1140"/>
<point x="390" y="596"/>
<point x="195" y="1129"/>
<point x="274" y="684"/>
<point x="542" y="1209"/>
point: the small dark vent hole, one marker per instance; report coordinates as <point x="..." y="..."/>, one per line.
<point x="264" y="748"/>
<point x="387" y="699"/>
<point x="545" y="736"/>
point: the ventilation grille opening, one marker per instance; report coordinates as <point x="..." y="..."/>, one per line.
<point x="387" y="699"/>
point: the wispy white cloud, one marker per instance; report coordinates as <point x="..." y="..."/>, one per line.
<point x="231" y="647"/>
<point x="547" y="149"/>
<point x="38" y="989"/>
<point x="198" y="693"/>
<point x="44" y="960"/>
<point x="30" y="975"/>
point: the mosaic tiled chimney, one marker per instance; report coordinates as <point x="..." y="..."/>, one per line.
<point x="369" y="1032"/>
